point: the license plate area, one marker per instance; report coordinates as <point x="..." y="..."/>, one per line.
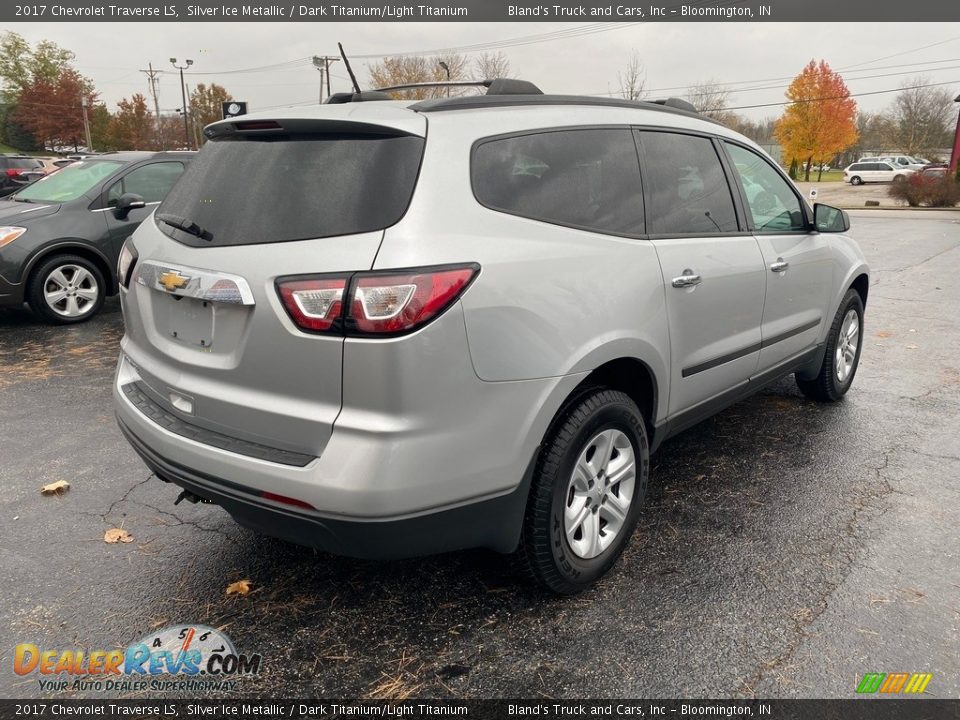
<point x="185" y="320"/>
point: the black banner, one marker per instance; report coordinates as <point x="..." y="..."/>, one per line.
<point x="853" y="709"/>
<point x="481" y="11"/>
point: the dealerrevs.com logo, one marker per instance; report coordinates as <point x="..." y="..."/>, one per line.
<point x="179" y="657"/>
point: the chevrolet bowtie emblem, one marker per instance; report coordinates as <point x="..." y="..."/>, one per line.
<point x="172" y="280"/>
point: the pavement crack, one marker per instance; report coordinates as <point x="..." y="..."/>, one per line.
<point x="125" y="497"/>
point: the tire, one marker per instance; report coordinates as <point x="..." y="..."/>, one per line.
<point x="855" y="180"/>
<point x="567" y="556"/>
<point x="840" y="361"/>
<point x="77" y="284"/>
<point x="897" y="179"/>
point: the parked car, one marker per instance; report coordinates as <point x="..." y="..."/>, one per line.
<point x="863" y="172"/>
<point x="61" y="236"/>
<point x="904" y="162"/>
<point x="17" y="171"/>
<point x="397" y="342"/>
<point x="934" y="173"/>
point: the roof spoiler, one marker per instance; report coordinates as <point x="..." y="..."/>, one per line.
<point x="677" y="103"/>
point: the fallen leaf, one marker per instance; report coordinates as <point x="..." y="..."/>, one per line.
<point x="115" y="535"/>
<point x="57" y="488"/>
<point x="911" y="347"/>
<point x="240" y="587"/>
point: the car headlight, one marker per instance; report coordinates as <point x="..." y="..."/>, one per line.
<point x="128" y="258"/>
<point x="10" y="233"/>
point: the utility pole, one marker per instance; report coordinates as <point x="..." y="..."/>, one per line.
<point x="447" y="68"/>
<point x="153" y="79"/>
<point x="183" y="92"/>
<point x="86" y="124"/>
<point x="322" y="63"/>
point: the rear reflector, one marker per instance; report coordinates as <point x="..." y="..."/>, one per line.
<point x="286" y="500"/>
<point x="373" y="304"/>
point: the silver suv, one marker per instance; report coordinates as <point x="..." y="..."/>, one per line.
<point x="387" y="328"/>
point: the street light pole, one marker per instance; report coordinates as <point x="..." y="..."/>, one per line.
<point x="183" y="92"/>
<point x="447" y="68"/>
<point x="955" y="155"/>
<point x="322" y="63"/>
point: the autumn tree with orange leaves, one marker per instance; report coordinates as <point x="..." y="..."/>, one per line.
<point x="820" y="120"/>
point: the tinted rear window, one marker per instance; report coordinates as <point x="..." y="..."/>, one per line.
<point x="275" y="189"/>
<point x="586" y="178"/>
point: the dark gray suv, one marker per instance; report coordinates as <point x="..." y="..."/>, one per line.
<point x="60" y="236"/>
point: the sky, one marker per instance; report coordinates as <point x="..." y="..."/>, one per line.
<point x="559" y="57"/>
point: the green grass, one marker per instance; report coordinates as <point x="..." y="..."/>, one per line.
<point x="828" y="176"/>
<point x="14" y="151"/>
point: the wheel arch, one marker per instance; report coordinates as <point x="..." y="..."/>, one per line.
<point x="72" y="247"/>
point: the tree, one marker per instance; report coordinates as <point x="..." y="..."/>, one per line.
<point x="711" y="98"/>
<point x="404" y="70"/>
<point x="101" y="128"/>
<point x="633" y="79"/>
<point x="205" y="104"/>
<point x="820" y="120"/>
<point x="132" y="125"/>
<point x="52" y="110"/>
<point x="489" y="66"/>
<point x="920" y="119"/>
<point x="21" y="66"/>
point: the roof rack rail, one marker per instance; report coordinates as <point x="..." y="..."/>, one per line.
<point x="495" y="86"/>
<point x="670" y="105"/>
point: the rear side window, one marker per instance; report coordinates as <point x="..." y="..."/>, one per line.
<point x="687" y="190"/>
<point x="587" y="178"/>
<point x="151" y="182"/>
<point x="246" y="191"/>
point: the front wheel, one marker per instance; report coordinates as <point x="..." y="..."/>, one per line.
<point x="588" y="488"/>
<point x="842" y="354"/>
<point x="66" y="289"/>
<point x="856" y="180"/>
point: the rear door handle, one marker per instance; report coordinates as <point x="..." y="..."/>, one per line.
<point x="688" y="279"/>
<point x="779" y="266"/>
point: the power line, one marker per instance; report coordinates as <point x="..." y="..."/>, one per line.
<point x="842" y="97"/>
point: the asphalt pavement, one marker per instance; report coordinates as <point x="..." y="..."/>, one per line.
<point x="787" y="547"/>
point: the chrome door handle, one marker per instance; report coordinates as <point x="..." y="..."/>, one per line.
<point x="779" y="266"/>
<point x="688" y="279"/>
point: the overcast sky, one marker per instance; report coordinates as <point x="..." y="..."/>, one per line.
<point x="673" y="54"/>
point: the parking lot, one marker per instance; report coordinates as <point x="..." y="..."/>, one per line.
<point x="786" y="549"/>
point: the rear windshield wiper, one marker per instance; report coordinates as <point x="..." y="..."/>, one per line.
<point x="188" y="226"/>
<point x="19" y="199"/>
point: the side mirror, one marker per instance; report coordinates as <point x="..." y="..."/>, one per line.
<point x="830" y="219"/>
<point x="126" y="203"/>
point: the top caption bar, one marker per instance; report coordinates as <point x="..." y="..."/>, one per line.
<point x="482" y="11"/>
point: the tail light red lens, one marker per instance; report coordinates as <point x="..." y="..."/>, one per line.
<point x="13" y="172"/>
<point x="314" y="304"/>
<point x="371" y="304"/>
<point x="391" y="304"/>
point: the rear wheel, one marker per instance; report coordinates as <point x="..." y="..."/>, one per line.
<point x="897" y="179"/>
<point x="842" y="354"/>
<point x="855" y="180"/>
<point x="588" y="488"/>
<point x="66" y="289"/>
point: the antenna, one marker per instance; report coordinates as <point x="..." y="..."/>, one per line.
<point x="353" y="78"/>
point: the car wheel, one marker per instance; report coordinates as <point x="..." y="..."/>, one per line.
<point x="587" y="490"/>
<point x="66" y="289"/>
<point x="897" y="179"/>
<point x="842" y="354"/>
<point x="855" y="180"/>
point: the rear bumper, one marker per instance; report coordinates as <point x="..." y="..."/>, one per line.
<point x="492" y="523"/>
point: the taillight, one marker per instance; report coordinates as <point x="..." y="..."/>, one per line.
<point x="13" y="172"/>
<point x="397" y="303"/>
<point x="315" y="303"/>
<point x="125" y="264"/>
<point x="378" y="303"/>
